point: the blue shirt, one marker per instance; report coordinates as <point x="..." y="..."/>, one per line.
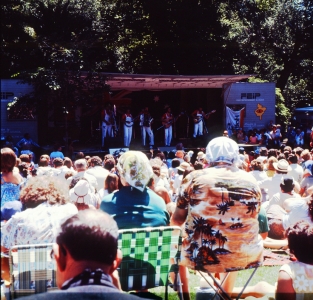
<point x="134" y="209"/>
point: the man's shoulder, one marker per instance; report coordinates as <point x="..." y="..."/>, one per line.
<point x="81" y="292"/>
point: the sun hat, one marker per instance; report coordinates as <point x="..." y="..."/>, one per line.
<point x="184" y="166"/>
<point x="135" y="169"/>
<point x="282" y="166"/>
<point x="222" y="149"/>
<point x="200" y="155"/>
<point x="80" y="193"/>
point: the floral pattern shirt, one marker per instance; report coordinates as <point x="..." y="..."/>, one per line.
<point x="9" y="191"/>
<point x="222" y="221"/>
<point x="302" y="278"/>
<point x="36" y="225"/>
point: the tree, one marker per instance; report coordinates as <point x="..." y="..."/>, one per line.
<point x="273" y="39"/>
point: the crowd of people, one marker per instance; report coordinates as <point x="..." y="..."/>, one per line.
<point x="230" y="203"/>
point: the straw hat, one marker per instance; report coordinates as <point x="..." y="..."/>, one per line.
<point x="282" y="166"/>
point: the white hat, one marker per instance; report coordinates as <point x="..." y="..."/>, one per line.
<point x="184" y="166"/>
<point x="200" y="155"/>
<point x="80" y="193"/>
<point x="222" y="149"/>
<point x="282" y="165"/>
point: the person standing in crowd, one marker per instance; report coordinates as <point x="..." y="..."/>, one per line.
<point x="128" y="121"/>
<point x="107" y="123"/>
<point x="134" y="205"/>
<point x="26" y="146"/>
<point x="57" y="153"/>
<point x="167" y="121"/>
<point x="146" y="120"/>
<point x="87" y="257"/>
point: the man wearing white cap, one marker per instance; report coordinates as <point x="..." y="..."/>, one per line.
<point x="220" y="206"/>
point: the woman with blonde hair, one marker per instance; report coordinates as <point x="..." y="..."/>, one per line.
<point x="270" y="170"/>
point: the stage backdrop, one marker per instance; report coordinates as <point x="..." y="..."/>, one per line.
<point x="249" y="105"/>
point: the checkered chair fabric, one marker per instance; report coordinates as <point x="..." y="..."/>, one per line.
<point x="32" y="270"/>
<point x="148" y="255"/>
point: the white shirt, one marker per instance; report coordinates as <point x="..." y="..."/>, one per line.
<point x="100" y="174"/>
<point x="83" y="174"/>
<point x="296" y="172"/>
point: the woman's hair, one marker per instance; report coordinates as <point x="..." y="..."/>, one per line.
<point x="25" y="158"/>
<point x="109" y="164"/>
<point x="272" y="152"/>
<point x="8" y="160"/>
<point x="43" y="162"/>
<point x="68" y="162"/>
<point x="23" y="169"/>
<point x="300" y="241"/>
<point x="111" y="183"/>
<point x="44" y="189"/>
<point x="270" y="163"/>
<point x="256" y="165"/>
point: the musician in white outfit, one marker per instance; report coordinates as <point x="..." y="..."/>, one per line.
<point x="167" y="121"/>
<point x="107" y="122"/>
<point x="146" y="120"/>
<point x="128" y="121"/>
<point x="198" y="118"/>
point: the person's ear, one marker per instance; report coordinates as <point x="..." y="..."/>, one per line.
<point x="117" y="261"/>
<point x="60" y="256"/>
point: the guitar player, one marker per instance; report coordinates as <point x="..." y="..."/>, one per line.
<point x="146" y="121"/>
<point x="167" y="121"/>
<point x="198" y="118"/>
<point x="128" y="122"/>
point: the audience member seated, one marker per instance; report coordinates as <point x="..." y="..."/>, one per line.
<point x="11" y="182"/>
<point x="82" y="197"/>
<point x="110" y="185"/>
<point x="81" y="168"/>
<point x="295" y="279"/>
<point x="134" y="205"/>
<point x="97" y="171"/>
<point x="296" y="170"/>
<point x="273" y="183"/>
<point x="307" y="180"/>
<point x="87" y="257"/>
<point x="47" y="205"/>
<point x="258" y="173"/>
<point x="219" y="204"/>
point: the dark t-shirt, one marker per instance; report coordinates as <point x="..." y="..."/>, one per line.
<point x="132" y="208"/>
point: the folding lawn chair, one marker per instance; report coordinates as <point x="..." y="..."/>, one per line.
<point x="149" y="255"/>
<point x="32" y="270"/>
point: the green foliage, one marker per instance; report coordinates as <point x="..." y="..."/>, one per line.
<point x="43" y="39"/>
<point x="283" y="113"/>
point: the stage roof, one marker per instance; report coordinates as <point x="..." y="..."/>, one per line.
<point x="138" y="82"/>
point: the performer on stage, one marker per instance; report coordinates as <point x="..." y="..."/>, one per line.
<point x="146" y="120"/>
<point x="107" y="122"/>
<point x="198" y="118"/>
<point x="128" y="121"/>
<point x="167" y="121"/>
